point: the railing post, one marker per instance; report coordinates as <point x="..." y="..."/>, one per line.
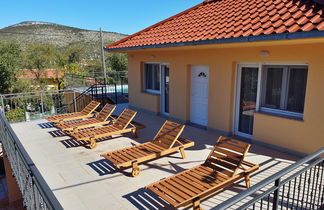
<point x="121" y="85"/>
<point x="116" y="94"/>
<point x="276" y="195"/>
<point x="74" y="102"/>
<point x="42" y="103"/>
<point x="2" y="103"/>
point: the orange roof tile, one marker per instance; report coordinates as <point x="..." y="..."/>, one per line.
<point x="213" y="21"/>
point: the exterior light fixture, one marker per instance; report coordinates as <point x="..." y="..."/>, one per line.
<point x="152" y="56"/>
<point x="264" y="53"/>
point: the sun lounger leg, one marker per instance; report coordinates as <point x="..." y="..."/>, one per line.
<point x="196" y="204"/>
<point x="92" y="143"/>
<point x="134" y="133"/>
<point x="183" y="154"/>
<point x="135" y="169"/>
<point x="247" y="181"/>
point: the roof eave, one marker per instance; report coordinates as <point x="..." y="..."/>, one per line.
<point x="283" y="36"/>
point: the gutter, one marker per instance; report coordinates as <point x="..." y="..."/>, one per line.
<point x="283" y="36"/>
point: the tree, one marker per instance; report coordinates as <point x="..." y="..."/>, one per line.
<point x="74" y="53"/>
<point x="10" y="60"/>
<point x="68" y="61"/>
<point x="117" y="63"/>
<point x="40" y="57"/>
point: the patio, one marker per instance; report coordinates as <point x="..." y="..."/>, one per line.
<point x="81" y="179"/>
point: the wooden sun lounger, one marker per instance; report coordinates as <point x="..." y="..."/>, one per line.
<point x="120" y="125"/>
<point x="85" y="113"/>
<point x="224" y="166"/>
<point x="100" y="119"/>
<point x="165" y="142"/>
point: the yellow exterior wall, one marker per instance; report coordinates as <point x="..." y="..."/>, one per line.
<point x="303" y="136"/>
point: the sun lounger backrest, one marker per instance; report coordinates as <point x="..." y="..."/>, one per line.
<point x="90" y="107"/>
<point x="124" y="119"/>
<point x="227" y="156"/>
<point x="168" y="134"/>
<point x="106" y="111"/>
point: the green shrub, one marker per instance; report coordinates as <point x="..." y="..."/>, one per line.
<point x="15" y="115"/>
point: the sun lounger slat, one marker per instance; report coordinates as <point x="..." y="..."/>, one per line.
<point x="169" y="199"/>
<point x="142" y="149"/>
<point x="196" y="178"/>
<point x="216" y="173"/>
<point x="158" y="147"/>
<point x="208" y="178"/>
<point x="105" y="131"/>
<point x="178" y="192"/>
<point x="191" y="182"/>
<point x="132" y="153"/>
<point x="169" y="192"/>
<point x="116" y="157"/>
<point x="227" y="158"/>
<point x="153" y="148"/>
<point x="220" y="170"/>
<point x="212" y="173"/>
<point x="193" y="189"/>
<point x="223" y="164"/>
<point x="232" y="147"/>
<point x="85" y="113"/>
<point x="125" y="156"/>
<point x="180" y="187"/>
<point x="138" y="152"/>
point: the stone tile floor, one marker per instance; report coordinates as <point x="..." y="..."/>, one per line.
<point x="81" y="179"/>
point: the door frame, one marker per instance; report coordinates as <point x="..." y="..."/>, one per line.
<point x="162" y="101"/>
<point x="237" y="95"/>
<point x="208" y="84"/>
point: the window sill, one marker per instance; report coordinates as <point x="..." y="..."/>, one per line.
<point x="281" y="115"/>
<point x="151" y="92"/>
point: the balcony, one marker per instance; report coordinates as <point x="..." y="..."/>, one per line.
<point x="75" y="177"/>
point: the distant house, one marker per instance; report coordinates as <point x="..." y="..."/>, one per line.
<point x="46" y="74"/>
<point x="240" y="67"/>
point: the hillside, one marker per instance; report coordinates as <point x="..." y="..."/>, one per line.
<point x="59" y="35"/>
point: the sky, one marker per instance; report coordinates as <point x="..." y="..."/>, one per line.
<point x="122" y="16"/>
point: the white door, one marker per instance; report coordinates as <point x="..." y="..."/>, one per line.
<point x="199" y="95"/>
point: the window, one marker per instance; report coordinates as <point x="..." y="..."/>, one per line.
<point x="152" y="77"/>
<point x="283" y="89"/>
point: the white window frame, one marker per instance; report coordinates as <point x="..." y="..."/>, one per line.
<point x="284" y="91"/>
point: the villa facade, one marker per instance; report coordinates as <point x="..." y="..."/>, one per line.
<point x="248" y="68"/>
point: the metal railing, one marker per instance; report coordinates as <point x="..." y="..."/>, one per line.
<point x="299" y="186"/>
<point x="34" y="189"/>
<point x="114" y="88"/>
<point x="72" y="81"/>
<point x="35" y="105"/>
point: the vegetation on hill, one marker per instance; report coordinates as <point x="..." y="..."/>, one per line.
<point x="32" y="32"/>
<point x="37" y="46"/>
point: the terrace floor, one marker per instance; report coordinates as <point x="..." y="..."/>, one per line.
<point x="81" y="179"/>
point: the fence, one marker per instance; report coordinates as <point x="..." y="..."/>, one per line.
<point x="77" y="81"/>
<point x="35" y="192"/>
<point x="35" y="105"/>
<point x="299" y="186"/>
